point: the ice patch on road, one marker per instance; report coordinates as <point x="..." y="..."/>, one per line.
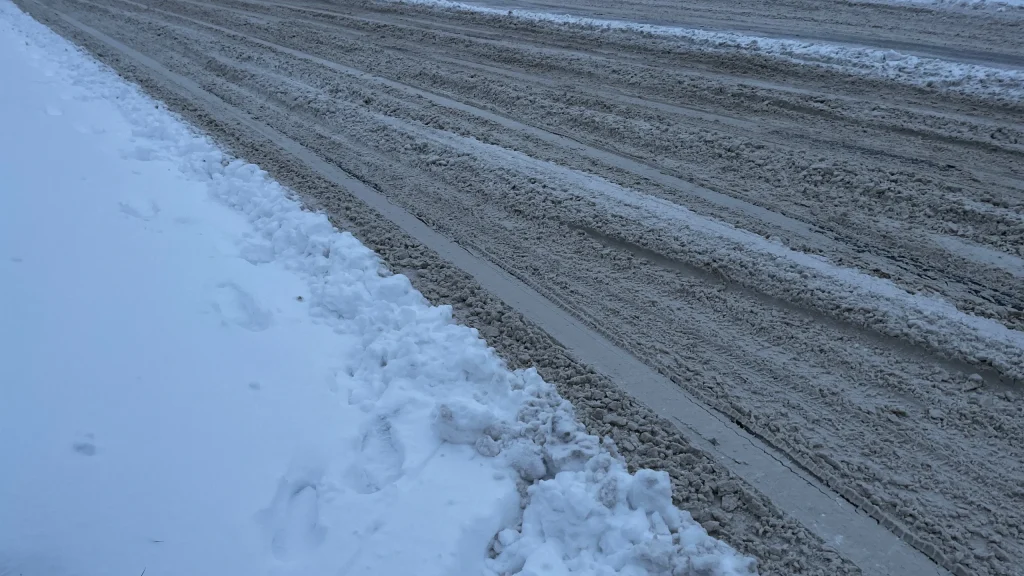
<point x="202" y="378"/>
<point x="861" y="61"/>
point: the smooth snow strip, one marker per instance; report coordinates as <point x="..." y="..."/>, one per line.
<point x="200" y="377"/>
<point x="862" y="61"/>
<point x="772" y="267"/>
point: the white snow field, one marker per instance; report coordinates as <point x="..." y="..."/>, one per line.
<point x="199" y="377"/>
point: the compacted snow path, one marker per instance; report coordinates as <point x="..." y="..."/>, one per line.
<point x="199" y="377"/>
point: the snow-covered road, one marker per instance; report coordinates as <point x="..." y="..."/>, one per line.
<point x="853" y="59"/>
<point x="199" y="377"/>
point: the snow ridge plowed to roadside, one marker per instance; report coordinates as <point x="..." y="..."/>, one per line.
<point x="205" y="378"/>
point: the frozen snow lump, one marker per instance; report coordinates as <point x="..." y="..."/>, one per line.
<point x="583" y="513"/>
<point x="602" y="520"/>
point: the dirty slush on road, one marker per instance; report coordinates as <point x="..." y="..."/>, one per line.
<point x="658" y="189"/>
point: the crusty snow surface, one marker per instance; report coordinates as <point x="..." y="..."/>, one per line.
<point x="202" y="378"/>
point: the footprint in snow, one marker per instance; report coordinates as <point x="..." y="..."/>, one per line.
<point x="293" y="519"/>
<point x="86" y="446"/>
<point x="236" y="306"/>
<point x="142" y="210"/>
<point x="358" y="392"/>
<point x="380" y="458"/>
<point x="88" y="129"/>
<point x="54" y="111"/>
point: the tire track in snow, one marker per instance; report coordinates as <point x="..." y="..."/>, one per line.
<point x="860" y="537"/>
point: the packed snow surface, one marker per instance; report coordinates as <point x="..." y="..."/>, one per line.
<point x="858" y="60"/>
<point x="199" y="377"/>
<point x="997" y="5"/>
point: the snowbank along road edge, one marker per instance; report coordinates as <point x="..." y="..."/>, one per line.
<point x="565" y="202"/>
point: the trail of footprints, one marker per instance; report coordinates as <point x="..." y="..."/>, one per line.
<point x="293" y="520"/>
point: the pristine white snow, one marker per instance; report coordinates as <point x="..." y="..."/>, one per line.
<point x="200" y="378"/>
<point x="859" y="60"/>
